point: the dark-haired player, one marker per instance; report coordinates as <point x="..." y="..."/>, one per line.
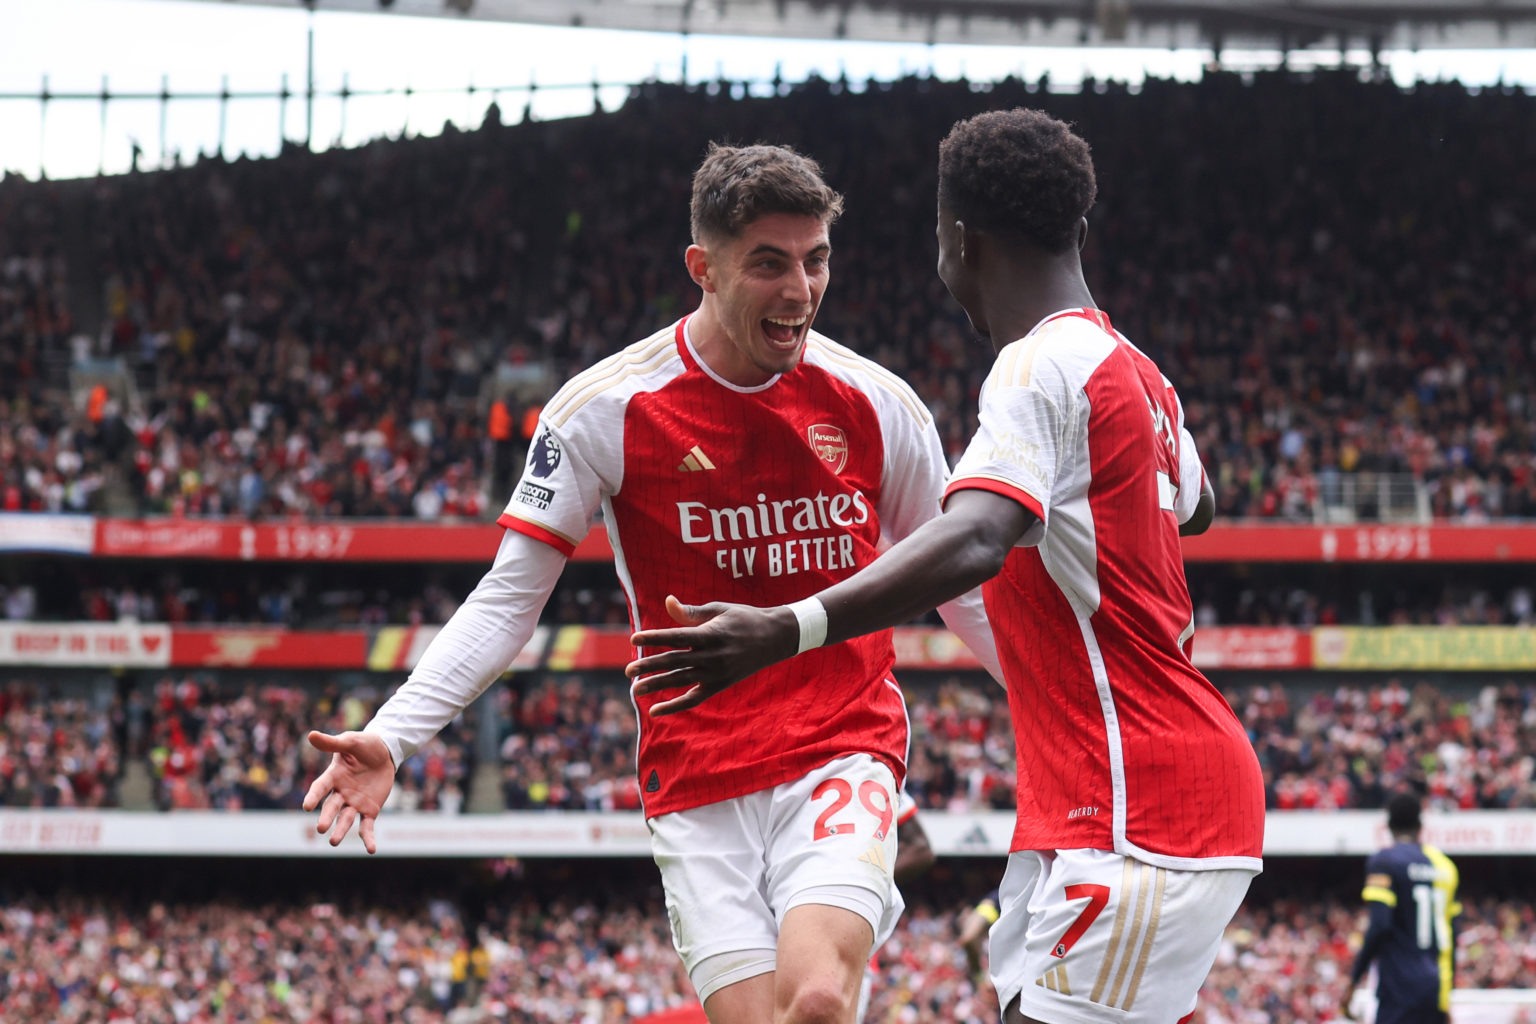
<point x="1411" y="890"/>
<point x="736" y="451"/>
<point x="1140" y="806"/>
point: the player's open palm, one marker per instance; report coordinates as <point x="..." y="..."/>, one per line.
<point x="353" y="787"/>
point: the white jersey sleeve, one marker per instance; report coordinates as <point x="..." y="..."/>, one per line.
<point x="1028" y="407"/>
<point x="576" y="459"/>
<point x="1191" y="472"/>
<point x="476" y="645"/>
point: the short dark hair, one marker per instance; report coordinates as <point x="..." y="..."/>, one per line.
<point x="1020" y="172"/>
<point x="1403" y="814"/>
<point x="735" y="185"/>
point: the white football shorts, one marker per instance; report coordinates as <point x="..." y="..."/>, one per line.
<point x="733" y="869"/>
<point x="1092" y="936"/>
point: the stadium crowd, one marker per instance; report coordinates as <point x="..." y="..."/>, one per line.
<point x="81" y="960"/>
<point x="567" y="742"/>
<point x="231" y="746"/>
<point x="57" y="751"/>
<point x="315" y="596"/>
<point x="326" y="334"/>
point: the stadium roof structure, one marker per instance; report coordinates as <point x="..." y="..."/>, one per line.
<point x="1221" y="24"/>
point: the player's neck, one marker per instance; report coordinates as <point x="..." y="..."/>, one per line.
<point x="713" y="346"/>
<point x="1021" y="293"/>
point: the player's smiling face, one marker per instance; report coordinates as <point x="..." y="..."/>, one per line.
<point x="761" y="293"/>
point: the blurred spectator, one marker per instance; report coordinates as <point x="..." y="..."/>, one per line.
<point x="57" y="751"/>
<point x="328" y="334"/>
<point x="567" y="742"/>
<point x="73" y="960"/>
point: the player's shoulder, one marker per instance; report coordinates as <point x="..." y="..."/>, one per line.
<point x="1382" y="861"/>
<point x="1395" y="859"/>
<point x="1064" y="350"/>
<point x="887" y="391"/>
<point x="642" y="366"/>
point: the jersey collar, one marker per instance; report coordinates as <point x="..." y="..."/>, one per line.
<point x="691" y="359"/>
<point x="1094" y="316"/>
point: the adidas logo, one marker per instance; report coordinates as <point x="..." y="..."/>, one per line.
<point x="1055" y="979"/>
<point x="977" y="836"/>
<point x="875" y="857"/>
<point x="653" y="783"/>
<point x="695" y="461"/>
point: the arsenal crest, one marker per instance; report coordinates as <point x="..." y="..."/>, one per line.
<point x="830" y="445"/>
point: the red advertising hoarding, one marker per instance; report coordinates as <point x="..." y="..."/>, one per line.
<point x="343" y="540"/>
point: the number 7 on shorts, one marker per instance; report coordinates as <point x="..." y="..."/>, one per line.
<point x="1097" y="896"/>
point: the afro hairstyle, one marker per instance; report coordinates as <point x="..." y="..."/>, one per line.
<point x="1018" y="172"/>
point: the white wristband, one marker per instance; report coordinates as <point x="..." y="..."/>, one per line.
<point x="813" y="623"/>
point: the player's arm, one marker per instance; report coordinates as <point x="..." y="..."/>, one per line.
<point x="1381" y="898"/>
<point x="974" y="927"/>
<point x="914" y="853"/>
<point x="911" y="494"/>
<point x="475" y="647"/>
<point x="1205" y="510"/>
<point x="724" y="643"/>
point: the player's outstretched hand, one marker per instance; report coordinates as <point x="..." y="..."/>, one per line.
<point x="719" y="644"/>
<point x="353" y="787"/>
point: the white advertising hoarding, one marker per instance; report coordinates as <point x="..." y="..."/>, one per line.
<point x="596" y="834"/>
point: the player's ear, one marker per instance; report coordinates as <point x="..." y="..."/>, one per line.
<point x="698" y="263"/>
<point x="1082" y="233"/>
<point x="968" y="244"/>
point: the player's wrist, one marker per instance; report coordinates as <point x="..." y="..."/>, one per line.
<point x="811" y="618"/>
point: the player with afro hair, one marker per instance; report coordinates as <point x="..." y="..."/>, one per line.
<point x="1018" y="172"/>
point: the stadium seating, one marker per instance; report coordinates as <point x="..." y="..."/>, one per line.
<point x="567" y="742"/>
<point x="81" y="959"/>
<point x="324" y="335"/>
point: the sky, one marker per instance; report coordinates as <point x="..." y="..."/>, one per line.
<point x="138" y="45"/>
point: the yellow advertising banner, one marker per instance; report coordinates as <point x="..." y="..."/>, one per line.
<point x="1366" y="648"/>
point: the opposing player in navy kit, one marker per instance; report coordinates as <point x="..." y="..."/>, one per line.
<point x="1411" y="890"/>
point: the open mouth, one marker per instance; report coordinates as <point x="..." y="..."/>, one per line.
<point x="784" y="332"/>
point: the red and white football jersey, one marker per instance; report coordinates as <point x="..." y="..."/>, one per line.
<point x="760" y="495"/>
<point x="1122" y="744"/>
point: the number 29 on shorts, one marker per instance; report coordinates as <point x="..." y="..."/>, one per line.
<point x="873" y="796"/>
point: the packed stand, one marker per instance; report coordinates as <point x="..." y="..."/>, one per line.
<point x="1354" y="746"/>
<point x="309" y="596"/>
<point x="230" y="746"/>
<point x="1332" y="749"/>
<point x="77" y="959"/>
<point x="80" y="960"/>
<point x="56" y="750"/>
<point x="325" y="334"/>
<point x="1396" y="599"/>
<point x="48" y="458"/>
<point x="568" y="746"/>
<point x="1291" y="961"/>
<point x="569" y="743"/>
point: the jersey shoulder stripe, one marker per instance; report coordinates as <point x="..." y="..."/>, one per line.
<point x="847" y="365"/>
<point x="1069" y="347"/>
<point x="1017" y="360"/>
<point x="643" y="357"/>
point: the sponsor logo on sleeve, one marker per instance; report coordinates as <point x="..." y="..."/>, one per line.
<point x="545" y="457"/>
<point x="529" y="493"/>
<point x="830" y="445"/>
